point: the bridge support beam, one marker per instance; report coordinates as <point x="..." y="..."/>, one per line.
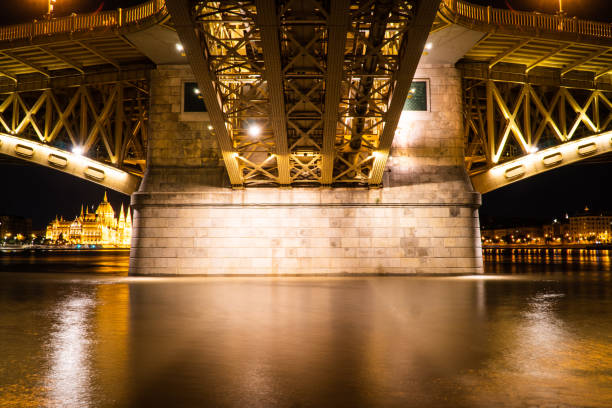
<point x="424" y="220"/>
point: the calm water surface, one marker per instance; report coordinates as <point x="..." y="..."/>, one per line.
<point x="75" y="331"/>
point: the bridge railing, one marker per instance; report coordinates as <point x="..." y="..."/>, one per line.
<point x="83" y="22"/>
<point x="544" y="22"/>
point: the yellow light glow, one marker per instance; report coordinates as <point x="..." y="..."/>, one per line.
<point x="72" y="162"/>
<point x="254" y="130"/>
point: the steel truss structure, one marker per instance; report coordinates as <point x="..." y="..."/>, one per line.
<point x="304" y="87"/>
<point x="507" y="120"/>
<point x="106" y="121"/>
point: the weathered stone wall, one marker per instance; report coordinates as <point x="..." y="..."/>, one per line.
<point x="258" y="231"/>
<point x="182" y="155"/>
<point x="424" y="220"/>
<point x="428" y="146"/>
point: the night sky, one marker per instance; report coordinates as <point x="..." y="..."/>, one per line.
<point x="551" y="195"/>
<point x="41" y="193"/>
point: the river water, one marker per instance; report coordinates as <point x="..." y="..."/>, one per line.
<point x="76" y="331"/>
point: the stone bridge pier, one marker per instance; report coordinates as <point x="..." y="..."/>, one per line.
<point x="188" y="220"/>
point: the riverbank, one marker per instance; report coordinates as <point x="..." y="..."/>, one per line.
<point x="54" y="248"/>
<point x="549" y="247"/>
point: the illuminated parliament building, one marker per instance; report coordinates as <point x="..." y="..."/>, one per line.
<point x="98" y="228"/>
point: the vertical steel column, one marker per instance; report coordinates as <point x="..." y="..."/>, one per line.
<point x="268" y="23"/>
<point x="490" y="120"/>
<point x="562" y="114"/>
<point x="412" y="48"/>
<point x="118" y="124"/>
<point x="527" y="116"/>
<point x="337" y="26"/>
<point x="596" y="119"/>
<point x="48" y="113"/>
<point x="83" y="129"/>
<point x="196" y="55"/>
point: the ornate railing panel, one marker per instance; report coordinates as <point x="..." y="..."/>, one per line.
<point x="460" y="10"/>
<point x="69" y="24"/>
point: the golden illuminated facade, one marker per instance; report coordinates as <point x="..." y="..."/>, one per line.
<point x="591" y="227"/>
<point x="97" y="228"/>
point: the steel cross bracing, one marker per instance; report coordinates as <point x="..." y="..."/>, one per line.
<point x="320" y="114"/>
<point x="105" y="122"/>
<point x="507" y="120"/>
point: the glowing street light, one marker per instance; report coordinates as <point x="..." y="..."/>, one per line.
<point x="50" y="5"/>
<point x="561" y="12"/>
<point x="78" y="150"/>
<point x="254" y="130"/>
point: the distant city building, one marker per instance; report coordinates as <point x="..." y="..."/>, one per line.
<point x="590" y="227"/>
<point x="512" y="235"/>
<point x="585" y="227"/>
<point x="557" y="231"/>
<point x="98" y="228"/>
<point x="12" y="226"/>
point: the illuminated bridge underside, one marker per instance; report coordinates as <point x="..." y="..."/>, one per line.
<point x="506" y="120"/>
<point x="531" y="82"/>
<point x="318" y="81"/>
<point x="316" y="78"/>
<point x="104" y="123"/>
<point x="77" y="165"/>
<point x="542" y="161"/>
<point x="80" y="83"/>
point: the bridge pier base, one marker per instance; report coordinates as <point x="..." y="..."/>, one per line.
<point x="423" y="220"/>
<point x="303" y="231"/>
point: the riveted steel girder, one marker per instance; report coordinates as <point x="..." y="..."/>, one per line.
<point x="95" y="131"/>
<point x="299" y="68"/>
<point x="337" y="28"/>
<point x="508" y="121"/>
<point x="412" y="47"/>
<point x="200" y="65"/>
<point x="267" y="20"/>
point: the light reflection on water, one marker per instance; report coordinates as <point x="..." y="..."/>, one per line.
<point x="539" y="337"/>
<point x="68" y="378"/>
<point x="546" y="260"/>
